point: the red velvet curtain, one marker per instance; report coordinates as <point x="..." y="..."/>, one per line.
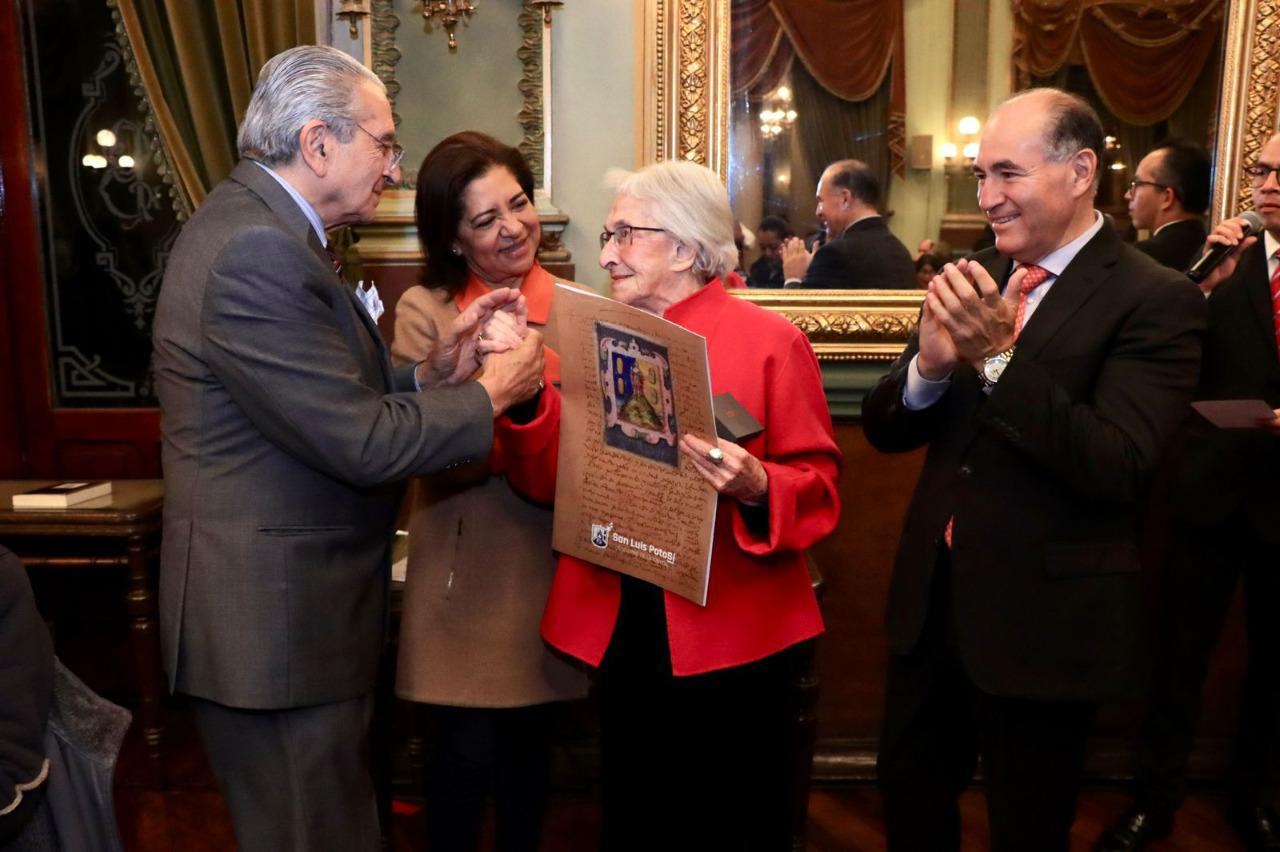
<point x="846" y="45"/>
<point x="1143" y="58"/>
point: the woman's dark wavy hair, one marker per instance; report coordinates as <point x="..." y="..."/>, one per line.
<point x="447" y="171"/>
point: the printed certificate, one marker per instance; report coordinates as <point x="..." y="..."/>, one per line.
<point x="626" y="498"/>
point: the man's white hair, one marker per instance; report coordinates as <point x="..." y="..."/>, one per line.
<point x="294" y="87"/>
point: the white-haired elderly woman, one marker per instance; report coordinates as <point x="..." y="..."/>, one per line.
<point x="694" y="700"/>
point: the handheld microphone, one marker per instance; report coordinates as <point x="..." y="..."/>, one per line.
<point x="1217" y="251"/>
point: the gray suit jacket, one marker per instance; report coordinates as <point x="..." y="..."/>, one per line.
<point x="284" y="441"/>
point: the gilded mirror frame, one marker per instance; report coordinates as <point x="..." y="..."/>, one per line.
<point x="683" y="111"/>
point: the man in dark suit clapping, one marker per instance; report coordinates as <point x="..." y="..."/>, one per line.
<point x="1016" y="600"/>
<point x="285" y="432"/>
<point x="861" y="251"/>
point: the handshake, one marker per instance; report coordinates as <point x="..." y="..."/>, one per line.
<point x="492" y="334"/>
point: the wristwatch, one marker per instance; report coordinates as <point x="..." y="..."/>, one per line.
<point x="993" y="367"/>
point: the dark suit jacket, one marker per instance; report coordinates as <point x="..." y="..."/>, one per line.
<point x="1221" y="472"/>
<point x="1042" y="477"/>
<point x="866" y="255"/>
<point x="765" y="273"/>
<point x="283" y="443"/>
<point x="1176" y="244"/>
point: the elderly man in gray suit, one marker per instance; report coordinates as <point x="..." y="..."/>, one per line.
<point x="285" y="433"/>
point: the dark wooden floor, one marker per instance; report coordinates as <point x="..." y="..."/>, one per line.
<point x="190" y="815"/>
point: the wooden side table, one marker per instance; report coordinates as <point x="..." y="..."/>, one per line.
<point x="120" y="531"/>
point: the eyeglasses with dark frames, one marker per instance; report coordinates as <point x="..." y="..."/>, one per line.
<point x="623" y="234"/>
<point x="1258" y="173"/>
<point x="1135" y="183"/>
<point x="389" y="150"/>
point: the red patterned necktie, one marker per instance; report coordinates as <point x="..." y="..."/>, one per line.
<point x="1036" y="276"/>
<point x="1275" y="300"/>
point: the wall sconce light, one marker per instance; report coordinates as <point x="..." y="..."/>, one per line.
<point x="448" y="13"/>
<point x="778" y="115"/>
<point x="951" y="153"/>
<point x="546" y="6"/>
<point x="353" y="11"/>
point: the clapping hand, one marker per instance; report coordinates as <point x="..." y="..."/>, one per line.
<point x="965" y="318"/>
<point x="795" y="258"/>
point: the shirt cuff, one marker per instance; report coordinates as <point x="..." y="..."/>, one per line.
<point x="920" y="392"/>
<point x="417" y="385"/>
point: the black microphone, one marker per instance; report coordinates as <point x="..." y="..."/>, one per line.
<point x="1217" y="251"/>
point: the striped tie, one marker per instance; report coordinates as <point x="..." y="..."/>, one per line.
<point x="1275" y="300"/>
<point x="1036" y="276"/>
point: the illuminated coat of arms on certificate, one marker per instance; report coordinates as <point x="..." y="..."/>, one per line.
<point x="635" y="380"/>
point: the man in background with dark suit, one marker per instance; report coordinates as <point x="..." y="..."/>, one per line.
<point x="1168" y="196"/>
<point x="1225" y="502"/>
<point x="770" y="236"/>
<point x="860" y="251"/>
<point x="285" y="433"/>
<point x="1016" y="603"/>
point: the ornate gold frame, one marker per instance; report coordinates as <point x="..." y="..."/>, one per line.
<point x="683" y="111"/>
<point x="392" y="238"/>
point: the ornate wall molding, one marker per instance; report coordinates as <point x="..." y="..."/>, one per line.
<point x="533" y="143"/>
<point x="684" y="57"/>
<point x="386" y="56"/>
<point x="1248" y="102"/>
<point x="847" y="325"/>
<point x="1263" y="81"/>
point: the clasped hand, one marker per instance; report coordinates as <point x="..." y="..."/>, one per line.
<point x="965" y="318"/>
<point x="493" y="330"/>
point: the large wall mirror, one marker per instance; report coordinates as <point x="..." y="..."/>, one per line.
<point x="769" y="91"/>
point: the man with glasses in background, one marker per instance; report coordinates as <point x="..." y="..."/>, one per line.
<point x="285" y="435"/>
<point x="1168" y="197"/>
<point x="1225" y="501"/>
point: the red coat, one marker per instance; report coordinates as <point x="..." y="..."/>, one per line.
<point x="759" y="600"/>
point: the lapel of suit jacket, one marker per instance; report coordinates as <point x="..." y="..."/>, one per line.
<point x="266" y="187"/>
<point x="1077" y="283"/>
<point x="1257" y="291"/>
<point x="384" y="357"/>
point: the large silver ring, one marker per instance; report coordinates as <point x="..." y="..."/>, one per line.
<point x="716" y="455"/>
<point x="542" y="385"/>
